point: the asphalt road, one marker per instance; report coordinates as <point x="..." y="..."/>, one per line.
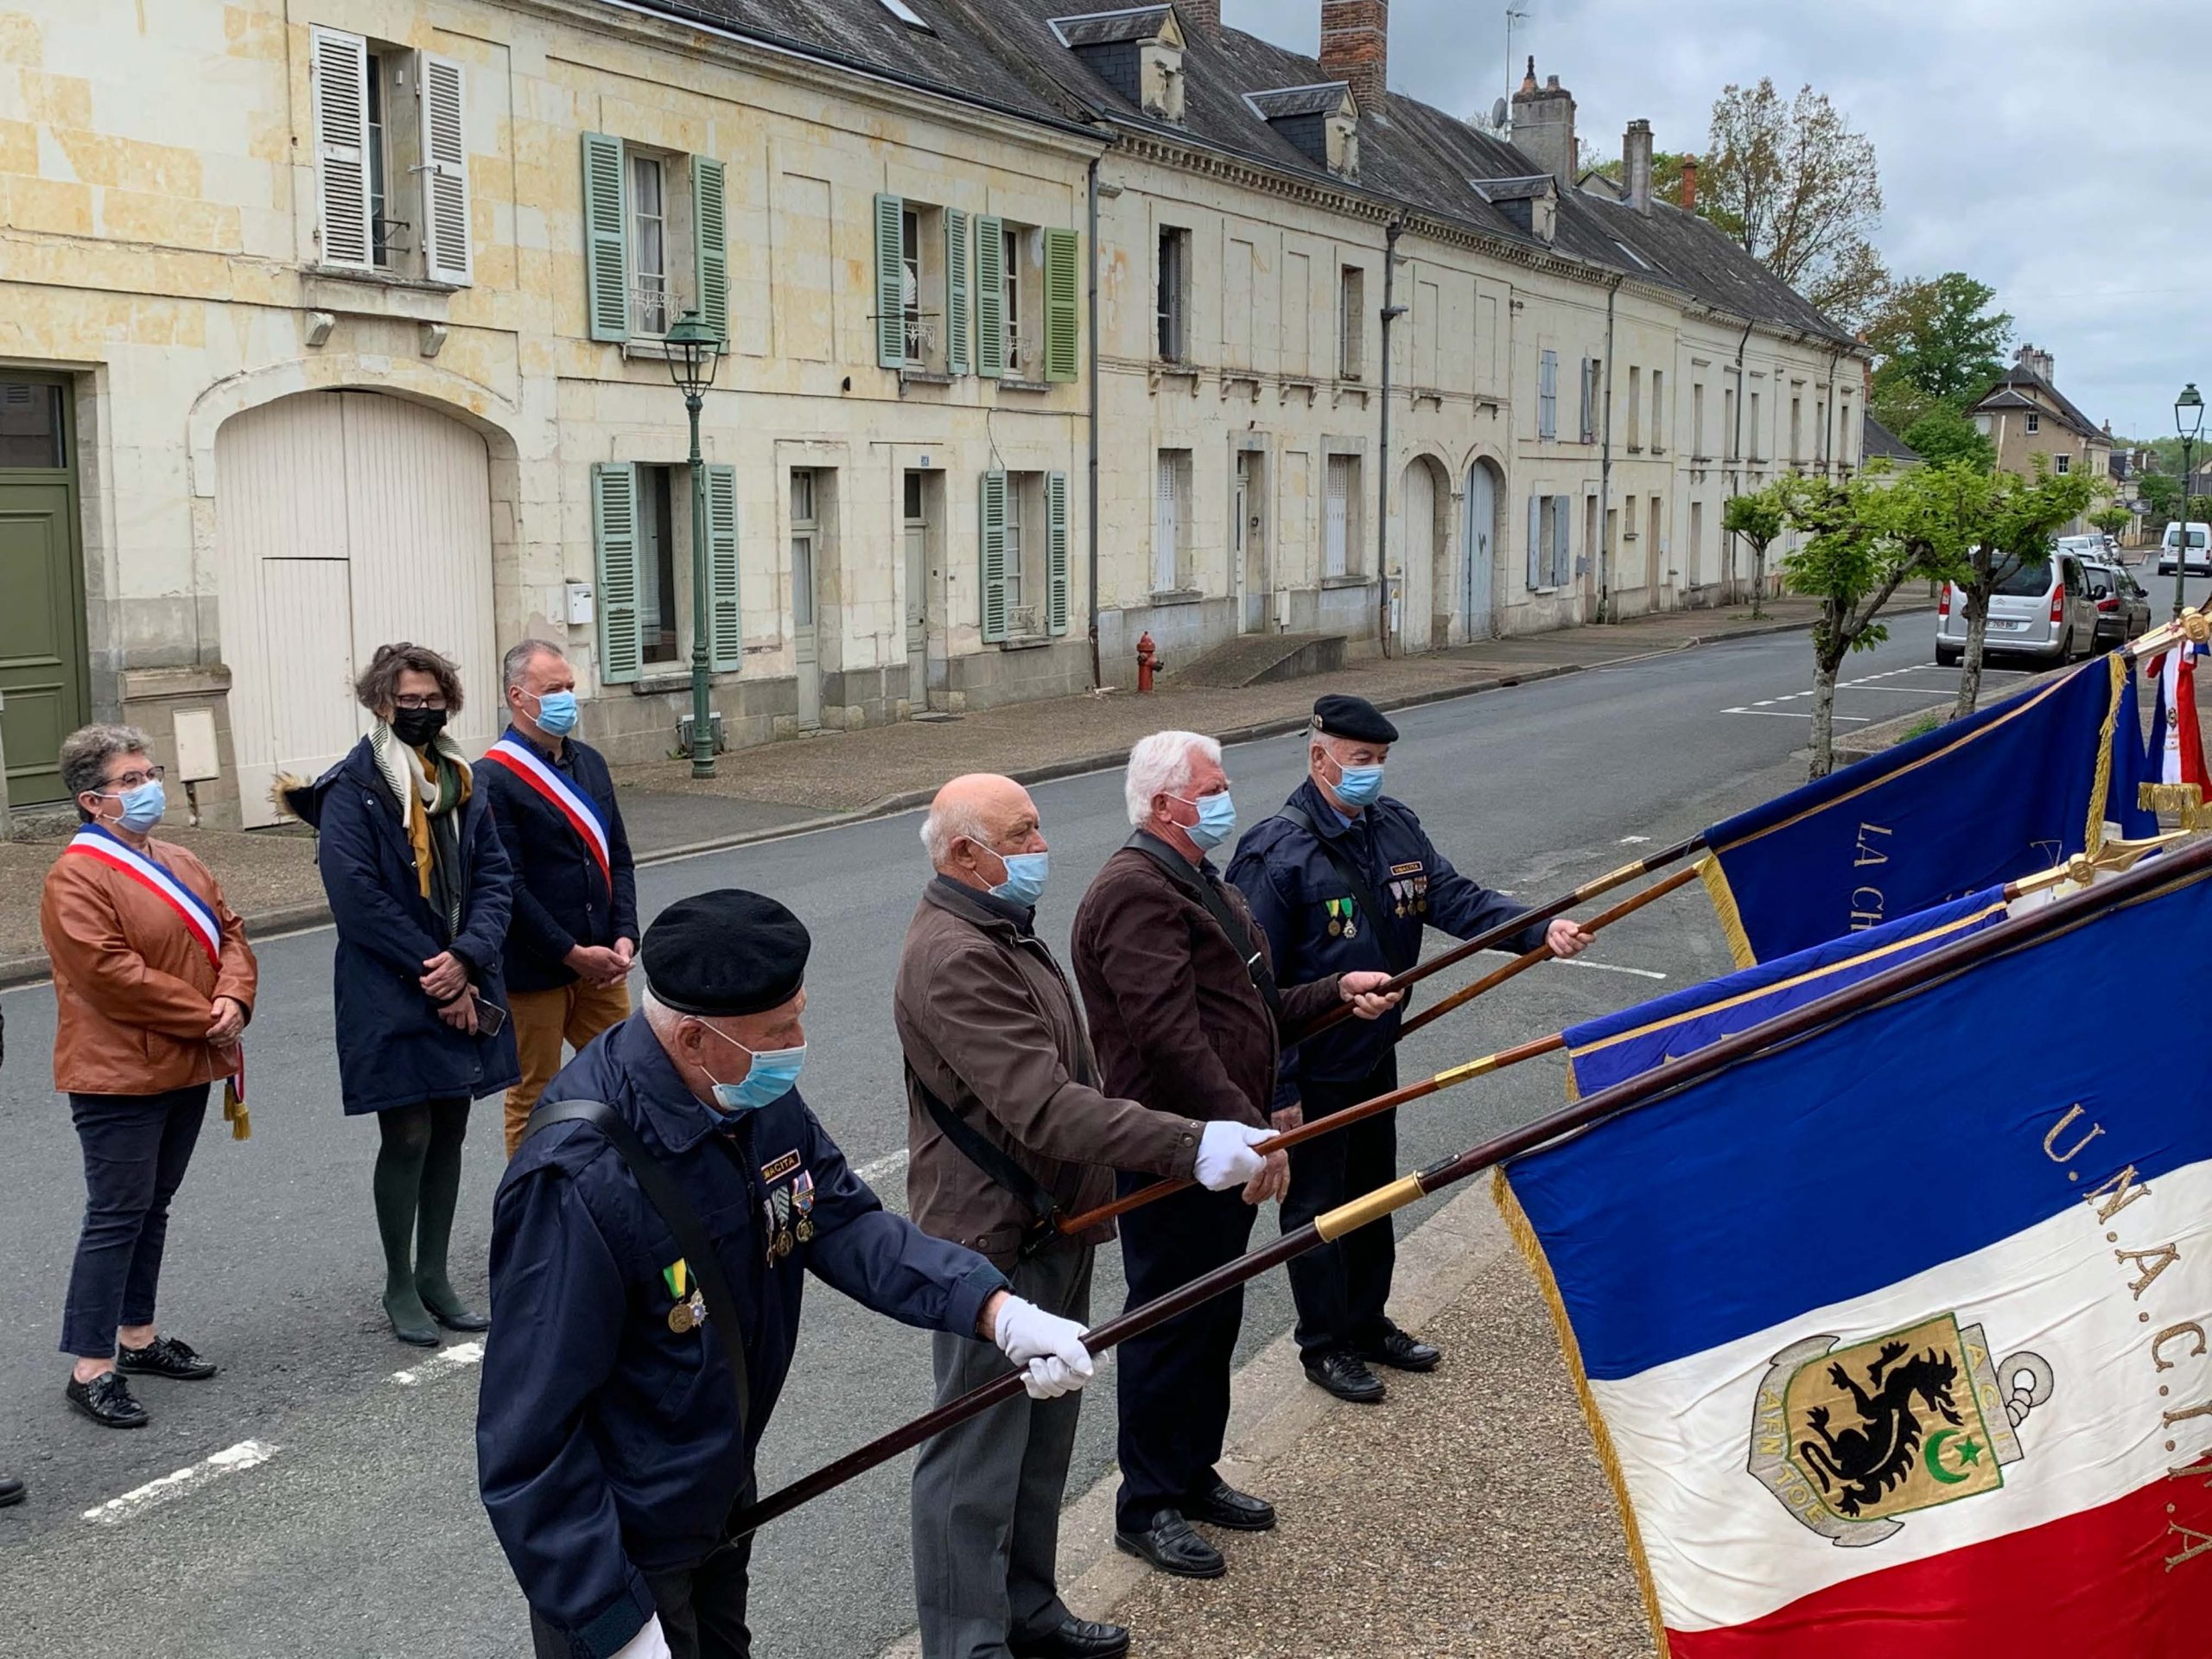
<point x="338" y="1514"/>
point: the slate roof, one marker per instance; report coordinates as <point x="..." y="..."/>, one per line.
<point x="1876" y="441"/>
<point x="1537" y="184"/>
<point x="1322" y="99"/>
<point x="1112" y="27"/>
<point x="2020" y="387"/>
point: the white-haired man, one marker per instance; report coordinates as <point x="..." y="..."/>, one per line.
<point x="1007" y="1131"/>
<point x="1187" y="1016"/>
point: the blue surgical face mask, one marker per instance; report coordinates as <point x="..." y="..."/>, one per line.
<point x="774" y="1071"/>
<point x="1217" y="820"/>
<point x="1357" y="785"/>
<point x="557" y="713"/>
<point x="1024" y="877"/>
<point x="141" y="807"/>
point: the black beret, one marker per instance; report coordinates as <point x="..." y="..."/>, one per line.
<point x="725" y="953"/>
<point x="1353" y="717"/>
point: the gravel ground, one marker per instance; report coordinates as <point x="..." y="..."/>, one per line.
<point x="1467" y="1516"/>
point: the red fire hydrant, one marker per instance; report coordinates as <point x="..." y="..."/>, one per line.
<point x="1147" y="661"/>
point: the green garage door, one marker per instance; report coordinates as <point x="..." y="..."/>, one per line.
<point x="41" y="587"/>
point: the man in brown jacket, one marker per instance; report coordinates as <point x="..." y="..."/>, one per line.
<point x="1186" y="1011"/>
<point x="1007" y="1128"/>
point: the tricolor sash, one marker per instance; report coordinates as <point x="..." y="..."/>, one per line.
<point x="571" y="803"/>
<point x="2180" y="782"/>
<point x="195" y="912"/>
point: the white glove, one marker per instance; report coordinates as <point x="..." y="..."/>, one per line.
<point x="1225" y="1154"/>
<point x="1048" y="1346"/>
<point x="647" y="1643"/>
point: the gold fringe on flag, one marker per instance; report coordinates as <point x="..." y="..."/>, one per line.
<point x="1723" y="906"/>
<point x="1532" y="1252"/>
<point x="2185" y="801"/>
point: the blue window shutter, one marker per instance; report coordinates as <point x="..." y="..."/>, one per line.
<point x="725" y="622"/>
<point x="614" y="545"/>
<point x="1539" y="559"/>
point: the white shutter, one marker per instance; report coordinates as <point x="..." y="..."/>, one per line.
<point x="1337" y="518"/>
<point x="445" y="171"/>
<point x="340" y="75"/>
<point x="1165" y="526"/>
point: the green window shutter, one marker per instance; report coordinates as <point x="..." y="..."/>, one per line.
<point x="725" y="622"/>
<point x="990" y="296"/>
<point x="890" y="283"/>
<point x="1056" y="552"/>
<point x="955" y="291"/>
<point x="710" y="243"/>
<point x="607" y="254"/>
<point x="993" y="541"/>
<point x="1059" y="305"/>
<point x="614" y="540"/>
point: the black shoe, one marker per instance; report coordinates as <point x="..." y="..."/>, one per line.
<point x="12" y="1493"/>
<point x="1400" y="1353"/>
<point x="1075" y="1639"/>
<point x="1170" y="1545"/>
<point x="164" y="1356"/>
<point x="106" y="1400"/>
<point x="1339" y="1371"/>
<point x="1224" y="1506"/>
<point x="455" y="1317"/>
<point x="411" y="1324"/>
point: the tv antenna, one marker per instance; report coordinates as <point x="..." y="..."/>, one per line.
<point x="1514" y="14"/>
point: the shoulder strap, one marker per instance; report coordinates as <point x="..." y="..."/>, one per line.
<point x="1044" y="1209"/>
<point x="1232" y="925"/>
<point x="1395" y="954"/>
<point x="676" y="1211"/>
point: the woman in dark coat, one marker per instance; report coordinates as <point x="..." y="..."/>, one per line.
<point x="420" y="888"/>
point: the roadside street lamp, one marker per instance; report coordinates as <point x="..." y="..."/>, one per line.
<point x="2189" y="421"/>
<point x="695" y="351"/>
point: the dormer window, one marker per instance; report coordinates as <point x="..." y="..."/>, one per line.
<point x="1138" y="52"/>
<point x="1531" y="203"/>
<point x="1321" y="122"/>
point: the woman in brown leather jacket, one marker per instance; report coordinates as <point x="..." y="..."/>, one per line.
<point x="153" y="983"/>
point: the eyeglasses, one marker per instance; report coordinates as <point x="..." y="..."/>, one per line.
<point x="419" y="703"/>
<point x="136" y="779"/>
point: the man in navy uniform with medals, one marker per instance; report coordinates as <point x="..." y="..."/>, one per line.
<point x="611" y="1446"/>
<point x="1343" y="879"/>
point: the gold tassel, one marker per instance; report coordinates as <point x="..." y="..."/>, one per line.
<point x="2100" y="785"/>
<point x="1532" y="1252"/>
<point x="1724" y="906"/>
<point x="234" y="1112"/>
<point x="2185" y="801"/>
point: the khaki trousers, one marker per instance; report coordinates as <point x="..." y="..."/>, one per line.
<point x="542" y="1020"/>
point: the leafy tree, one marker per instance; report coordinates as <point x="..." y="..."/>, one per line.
<point x="1665" y="170"/>
<point x="1943" y="434"/>
<point x="1759" y="518"/>
<point x="1799" y="189"/>
<point x="2161" y="494"/>
<point x="1936" y="342"/>
<point x="2111" y="520"/>
<point x="1865" y="539"/>
<point x="2007" y="523"/>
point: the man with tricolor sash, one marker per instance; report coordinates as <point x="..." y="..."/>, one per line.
<point x="574" y="930"/>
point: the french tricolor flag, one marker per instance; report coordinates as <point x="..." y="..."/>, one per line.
<point x="2176" y="741"/>
<point x="1896" y="1341"/>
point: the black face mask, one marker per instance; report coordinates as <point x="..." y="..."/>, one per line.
<point x="417" y="726"/>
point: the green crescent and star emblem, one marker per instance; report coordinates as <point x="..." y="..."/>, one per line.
<point x="1850" y="1436"/>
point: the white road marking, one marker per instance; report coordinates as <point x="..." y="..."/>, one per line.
<point x="444" y="1362"/>
<point x="876" y="1171"/>
<point x="236" y="1460"/>
<point x="1634" y="841"/>
<point x="1613" y="968"/>
<point x="1793" y="713"/>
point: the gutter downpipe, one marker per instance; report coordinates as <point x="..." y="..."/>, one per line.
<point x="1391" y="232"/>
<point x="1096" y="678"/>
<point x="1736" y="442"/>
<point x="1832" y="428"/>
<point x="1605" y="459"/>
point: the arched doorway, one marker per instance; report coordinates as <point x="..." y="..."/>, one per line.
<point x="345" y="520"/>
<point x="1479" y="551"/>
<point x="1424" y="503"/>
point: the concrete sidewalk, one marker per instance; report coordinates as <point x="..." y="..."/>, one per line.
<point x="268" y="876"/>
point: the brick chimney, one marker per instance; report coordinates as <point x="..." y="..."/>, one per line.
<point x="1355" y="44"/>
<point x="1543" y="126"/>
<point x="1204" y="13"/>
<point x="1636" y="166"/>
<point x="2037" y="362"/>
<point x="1689" y="184"/>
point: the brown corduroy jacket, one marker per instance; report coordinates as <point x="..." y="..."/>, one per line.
<point x="989" y="1023"/>
<point x="1173" y="1011"/>
<point x="133" y="987"/>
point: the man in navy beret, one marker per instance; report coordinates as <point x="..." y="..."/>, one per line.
<point x="1343" y="879"/>
<point x="608" y="1451"/>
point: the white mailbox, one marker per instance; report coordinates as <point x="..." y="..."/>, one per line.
<point x="579" y="611"/>
<point x="197" y="756"/>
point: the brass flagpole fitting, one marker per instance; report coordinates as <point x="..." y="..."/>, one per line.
<point x="2114" y="857"/>
<point x="1350" y="1217"/>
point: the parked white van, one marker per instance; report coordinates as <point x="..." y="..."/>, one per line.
<point x="2198" y="561"/>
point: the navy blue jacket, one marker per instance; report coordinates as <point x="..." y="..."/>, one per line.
<point x="392" y="1048"/>
<point x="604" y="1440"/>
<point x="560" y="897"/>
<point x="1290" y="884"/>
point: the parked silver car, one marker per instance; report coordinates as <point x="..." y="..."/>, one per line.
<point x="2041" y="610"/>
<point x="2123" y="604"/>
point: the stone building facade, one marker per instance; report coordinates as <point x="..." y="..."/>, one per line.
<point x="2033" y="424"/>
<point x="367" y="345"/>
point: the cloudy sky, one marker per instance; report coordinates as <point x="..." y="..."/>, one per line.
<point x="2031" y="143"/>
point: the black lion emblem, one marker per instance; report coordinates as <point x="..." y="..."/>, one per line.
<point x="1867" y="1461"/>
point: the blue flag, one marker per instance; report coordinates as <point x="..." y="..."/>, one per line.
<point x="1615" y="1047"/>
<point x="2013" y="788"/>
